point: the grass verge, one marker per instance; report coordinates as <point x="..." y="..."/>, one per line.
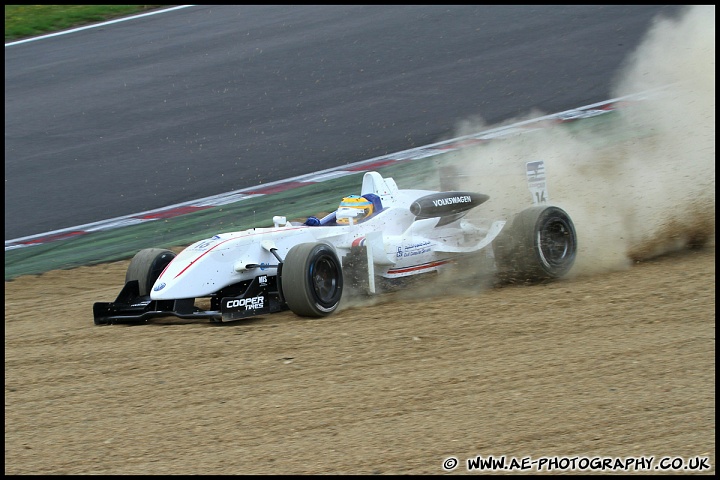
<point x="23" y="21"/>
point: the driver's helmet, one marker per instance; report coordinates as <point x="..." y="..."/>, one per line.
<point x="355" y="201"/>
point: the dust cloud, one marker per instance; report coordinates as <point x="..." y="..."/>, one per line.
<point x="637" y="183"/>
<point x="640" y="184"/>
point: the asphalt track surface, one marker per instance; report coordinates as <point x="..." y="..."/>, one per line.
<point x="164" y="109"/>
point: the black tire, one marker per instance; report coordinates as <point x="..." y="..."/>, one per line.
<point x="312" y="280"/>
<point x="146" y="266"/>
<point x="539" y="244"/>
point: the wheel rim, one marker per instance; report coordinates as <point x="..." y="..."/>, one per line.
<point x="556" y="242"/>
<point x="323" y="278"/>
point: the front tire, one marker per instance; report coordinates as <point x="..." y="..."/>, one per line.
<point x="312" y="280"/>
<point x="146" y="266"/>
<point x="540" y="244"/>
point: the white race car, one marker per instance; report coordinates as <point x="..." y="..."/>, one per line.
<point x="382" y="234"/>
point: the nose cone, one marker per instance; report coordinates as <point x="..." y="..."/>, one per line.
<point x="195" y="273"/>
<point x="176" y="281"/>
<point x="169" y="289"/>
<point x="160" y="290"/>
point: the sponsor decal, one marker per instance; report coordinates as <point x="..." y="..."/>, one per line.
<point x="262" y="280"/>
<point x="252" y="303"/>
<point x="204" y="245"/>
<point x="446" y="203"/>
<point x="159" y="286"/>
<point x="414" y="249"/>
<point x="441" y="202"/>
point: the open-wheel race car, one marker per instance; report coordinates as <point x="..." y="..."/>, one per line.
<point x="382" y="234"/>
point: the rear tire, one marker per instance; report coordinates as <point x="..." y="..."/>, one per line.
<point x="146" y="266"/>
<point x="312" y="280"/>
<point x="540" y="244"/>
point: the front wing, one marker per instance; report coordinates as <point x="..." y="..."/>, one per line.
<point x="261" y="296"/>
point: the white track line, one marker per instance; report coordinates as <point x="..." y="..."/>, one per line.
<point x="95" y="25"/>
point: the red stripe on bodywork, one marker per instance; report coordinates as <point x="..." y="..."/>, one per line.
<point x="423" y="266"/>
<point x="215" y="246"/>
<point x="199" y="257"/>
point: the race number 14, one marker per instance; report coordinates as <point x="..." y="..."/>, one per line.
<point x="536" y="181"/>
